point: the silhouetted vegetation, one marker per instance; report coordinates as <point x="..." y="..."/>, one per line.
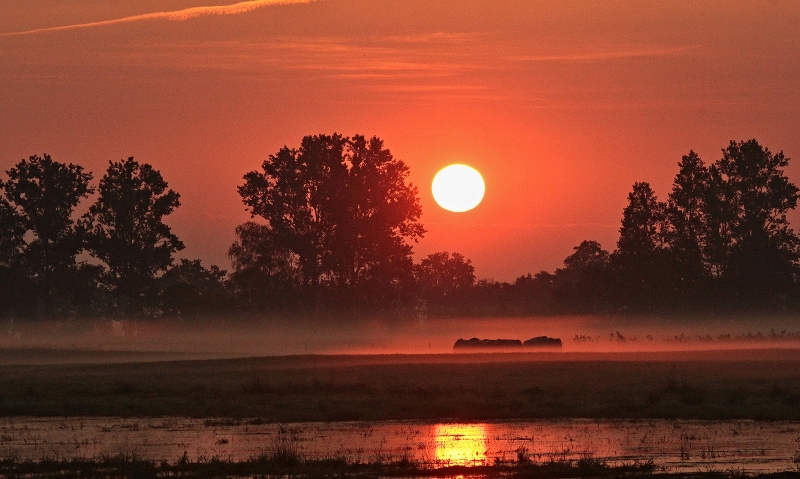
<point x="128" y="234"/>
<point x="334" y="224"/>
<point x="267" y="465"/>
<point x="720" y="242"/>
<point x="338" y="216"/>
<point x="117" y="259"/>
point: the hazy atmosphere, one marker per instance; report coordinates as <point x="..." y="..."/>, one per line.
<point x="375" y="239"/>
<point x="561" y="106"/>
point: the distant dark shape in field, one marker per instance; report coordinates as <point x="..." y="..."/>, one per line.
<point x="543" y="342"/>
<point x="537" y="342"/>
<point x="475" y="343"/>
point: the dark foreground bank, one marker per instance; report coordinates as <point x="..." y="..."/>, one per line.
<point x="760" y="385"/>
<point x="286" y="464"/>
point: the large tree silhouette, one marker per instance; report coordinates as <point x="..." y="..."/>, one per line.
<point x="128" y="230"/>
<point x="40" y="238"/>
<point x="722" y="240"/>
<point x="688" y="219"/>
<point x="640" y="263"/>
<point x="750" y="245"/>
<point x="342" y="206"/>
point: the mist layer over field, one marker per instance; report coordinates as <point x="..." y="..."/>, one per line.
<point x="278" y="336"/>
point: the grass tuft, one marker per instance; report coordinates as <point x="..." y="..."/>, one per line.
<point x="284" y="452"/>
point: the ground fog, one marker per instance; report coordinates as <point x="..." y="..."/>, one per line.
<point x="137" y="340"/>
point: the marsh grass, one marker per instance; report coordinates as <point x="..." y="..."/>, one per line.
<point x="284" y="451"/>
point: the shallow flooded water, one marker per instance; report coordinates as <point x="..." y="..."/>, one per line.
<point x="678" y="446"/>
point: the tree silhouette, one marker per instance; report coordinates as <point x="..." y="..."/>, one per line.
<point x="688" y="219"/>
<point x="751" y="246"/>
<point x="11" y="248"/>
<point x="189" y="289"/>
<point x="642" y="230"/>
<point x="128" y="232"/>
<point x="535" y="292"/>
<point x="444" y="280"/>
<point x="265" y="273"/>
<point x="40" y="238"/>
<point x="581" y="285"/>
<point x="12" y="240"/>
<point x="342" y="206"/>
<point x="588" y="255"/>
<point x="640" y="263"/>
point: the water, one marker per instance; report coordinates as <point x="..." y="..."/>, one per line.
<point x="677" y="446"/>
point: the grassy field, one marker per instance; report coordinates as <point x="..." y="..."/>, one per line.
<point x="693" y="385"/>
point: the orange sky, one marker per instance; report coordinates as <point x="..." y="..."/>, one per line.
<point x="561" y="105"/>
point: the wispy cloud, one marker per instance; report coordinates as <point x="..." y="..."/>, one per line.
<point x="472" y="224"/>
<point x="177" y="15"/>
<point x="437" y="37"/>
<point x="607" y="55"/>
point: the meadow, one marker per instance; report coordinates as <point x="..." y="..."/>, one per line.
<point x="730" y="384"/>
<point x="86" y="386"/>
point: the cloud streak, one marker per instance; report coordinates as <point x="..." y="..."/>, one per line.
<point x="654" y="52"/>
<point x="177" y="15"/>
<point x="522" y="225"/>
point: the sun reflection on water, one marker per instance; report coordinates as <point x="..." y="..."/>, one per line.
<point x="461" y="444"/>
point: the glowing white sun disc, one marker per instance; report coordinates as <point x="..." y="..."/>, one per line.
<point x="458" y="188"/>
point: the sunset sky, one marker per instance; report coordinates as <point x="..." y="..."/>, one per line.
<point x="560" y="105"/>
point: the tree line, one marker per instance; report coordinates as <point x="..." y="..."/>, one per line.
<point x="115" y="259"/>
<point x="333" y="225"/>
<point x="720" y="242"/>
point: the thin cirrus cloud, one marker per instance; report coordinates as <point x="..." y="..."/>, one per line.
<point x="607" y="55"/>
<point x="176" y="15"/>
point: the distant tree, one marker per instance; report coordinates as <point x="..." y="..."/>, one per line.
<point x="642" y="230"/>
<point x="588" y="256"/>
<point x="265" y="272"/>
<point x="12" y="242"/>
<point x="189" y="289"/>
<point x="581" y="285"/>
<point x="444" y="279"/>
<point x="687" y="217"/>
<point x="128" y="232"/>
<point x="686" y="208"/>
<point x="342" y="206"/>
<point x="640" y="263"/>
<point x="41" y="240"/>
<point x="750" y="245"/>
<point x="535" y="292"/>
<point x="491" y="298"/>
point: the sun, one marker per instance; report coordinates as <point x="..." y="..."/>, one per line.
<point x="458" y="188"/>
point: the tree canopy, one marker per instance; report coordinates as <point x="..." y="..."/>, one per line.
<point x="128" y="232"/>
<point x="343" y="209"/>
<point x="41" y="238"/>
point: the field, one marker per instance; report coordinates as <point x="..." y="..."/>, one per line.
<point x="157" y="400"/>
<point x="735" y="384"/>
